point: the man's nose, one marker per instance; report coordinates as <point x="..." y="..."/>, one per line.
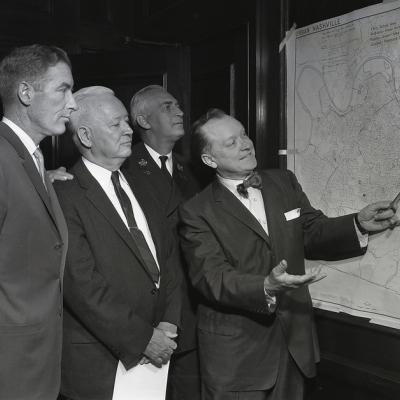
<point x="246" y="143"/>
<point x="71" y="103"/>
<point x="179" y="111"/>
<point x="127" y="128"/>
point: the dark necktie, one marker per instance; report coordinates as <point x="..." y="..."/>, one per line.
<point x="254" y="180"/>
<point x="164" y="169"/>
<point x="136" y="233"/>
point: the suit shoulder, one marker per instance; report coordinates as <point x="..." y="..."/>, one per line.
<point x="66" y="189"/>
<point x="138" y="151"/>
<point x="200" y="199"/>
<point x="280" y="176"/>
<point x="5" y="147"/>
<point x="138" y="158"/>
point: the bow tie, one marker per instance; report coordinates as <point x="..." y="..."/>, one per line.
<point x="254" y="180"/>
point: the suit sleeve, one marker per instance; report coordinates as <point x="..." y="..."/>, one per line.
<point x="95" y="302"/>
<point x="325" y="238"/>
<point x="3" y="200"/>
<point x="210" y="271"/>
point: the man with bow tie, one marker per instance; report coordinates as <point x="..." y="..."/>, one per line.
<point x="245" y="241"/>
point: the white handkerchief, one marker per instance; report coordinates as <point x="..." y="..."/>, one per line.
<point x="143" y="382"/>
<point x="292" y="214"/>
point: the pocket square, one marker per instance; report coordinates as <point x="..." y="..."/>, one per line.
<point x="292" y="214"/>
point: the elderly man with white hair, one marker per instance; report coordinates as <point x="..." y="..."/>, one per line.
<point x="122" y="303"/>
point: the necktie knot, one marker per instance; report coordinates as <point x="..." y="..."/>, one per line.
<point x="115" y="178"/>
<point x="164" y="168"/>
<point x="163" y="160"/>
<point x="254" y="180"/>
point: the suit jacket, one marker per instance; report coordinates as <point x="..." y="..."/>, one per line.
<point x="111" y="302"/>
<point x="142" y="166"/>
<point x="230" y="254"/>
<point x="33" y="242"/>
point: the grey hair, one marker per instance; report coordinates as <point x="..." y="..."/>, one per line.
<point x="85" y="101"/>
<point x="138" y="103"/>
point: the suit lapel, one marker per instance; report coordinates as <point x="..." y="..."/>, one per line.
<point x="273" y="209"/>
<point x="60" y="220"/>
<point x="102" y="203"/>
<point x="30" y="169"/>
<point x="237" y="210"/>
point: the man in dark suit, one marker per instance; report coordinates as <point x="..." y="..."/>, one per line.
<point x="35" y="88"/>
<point x="122" y="301"/>
<point x="156" y="115"/>
<point x="246" y="258"/>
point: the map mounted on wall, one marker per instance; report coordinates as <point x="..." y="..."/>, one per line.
<point x="343" y="118"/>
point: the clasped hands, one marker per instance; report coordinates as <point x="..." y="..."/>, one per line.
<point x="161" y="345"/>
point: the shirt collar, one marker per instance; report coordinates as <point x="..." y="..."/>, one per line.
<point x="22" y="135"/>
<point x="231" y="184"/>
<point x="156" y="156"/>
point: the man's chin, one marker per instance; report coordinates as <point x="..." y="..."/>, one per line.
<point x="179" y="132"/>
<point x="59" y="131"/>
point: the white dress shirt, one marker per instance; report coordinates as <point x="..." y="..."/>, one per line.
<point x="103" y="177"/>
<point x="254" y="203"/>
<point x="156" y="157"/>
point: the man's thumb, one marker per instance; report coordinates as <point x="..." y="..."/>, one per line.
<point x="280" y="268"/>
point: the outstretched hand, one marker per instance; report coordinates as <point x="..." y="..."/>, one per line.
<point x="378" y="216"/>
<point x="279" y="280"/>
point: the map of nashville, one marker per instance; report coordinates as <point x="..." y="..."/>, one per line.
<point x="345" y="107"/>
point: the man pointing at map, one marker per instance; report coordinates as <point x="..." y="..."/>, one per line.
<point x="245" y="238"/>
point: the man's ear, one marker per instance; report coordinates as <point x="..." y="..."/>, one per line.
<point x="142" y="122"/>
<point x="25" y="93"/>
<point x="85" y="136"/>
<point x="208" y="160"/>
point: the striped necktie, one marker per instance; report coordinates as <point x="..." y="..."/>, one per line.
<point x="136" y="233"/>
<point x="40" y="163"/>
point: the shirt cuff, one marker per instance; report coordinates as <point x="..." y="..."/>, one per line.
<point x="362" y="237"/>
<point x="271" y="300"/>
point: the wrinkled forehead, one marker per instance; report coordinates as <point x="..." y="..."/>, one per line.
<point x="220" y="129"/>
<point x="96" y="108"/>
<point x="158" y="97"/>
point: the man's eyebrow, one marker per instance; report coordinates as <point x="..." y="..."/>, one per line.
<point x="66" y="85"/>
<point x="232" y="137"/>
<point x="167" y="102"/>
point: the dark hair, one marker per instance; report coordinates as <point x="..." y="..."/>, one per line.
<point x="27" y="63"/>
<point x="199" y="141"/>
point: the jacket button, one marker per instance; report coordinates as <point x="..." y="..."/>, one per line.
<point x="153" y="291"/>
<point x="58" y="246"/>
